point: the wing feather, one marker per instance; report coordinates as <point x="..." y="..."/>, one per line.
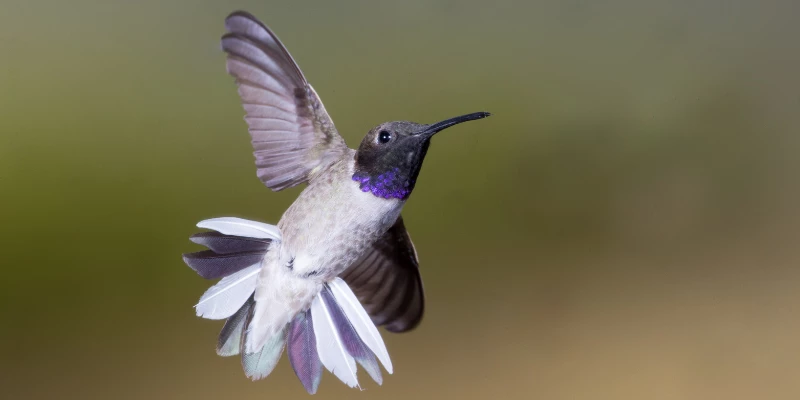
<point x="387" y="282"/>
<point x="293" y="137"/>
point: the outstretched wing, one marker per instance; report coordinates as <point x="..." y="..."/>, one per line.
<point x="292" y="134"/>
<point x="386" y="281"/>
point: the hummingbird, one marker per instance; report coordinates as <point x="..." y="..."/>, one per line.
<point x="340" y="261"/>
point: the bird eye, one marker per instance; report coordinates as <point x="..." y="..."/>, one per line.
<point x="384" y="137"/>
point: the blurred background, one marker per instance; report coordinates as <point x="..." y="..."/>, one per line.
<point x="624" y="227"/>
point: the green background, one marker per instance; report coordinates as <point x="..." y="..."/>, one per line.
<point x="623" y="227"/>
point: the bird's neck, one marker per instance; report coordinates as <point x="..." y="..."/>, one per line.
<point x="392" y="176"/>
<point x="389" y="184"/>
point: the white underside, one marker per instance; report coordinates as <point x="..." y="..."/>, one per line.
<point x="280" y="295"/>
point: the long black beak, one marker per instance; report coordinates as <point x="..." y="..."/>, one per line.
<point x="433" y="128"/>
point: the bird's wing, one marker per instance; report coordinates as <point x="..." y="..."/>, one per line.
<point x="387" y="282"/>
<point x="292" y="135"/>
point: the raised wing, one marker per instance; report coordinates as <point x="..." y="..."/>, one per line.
<point x="387" y="282"/>
<point x="292" y="134"/>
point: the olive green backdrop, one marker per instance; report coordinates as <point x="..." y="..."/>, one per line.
<point x="623" y="227"/>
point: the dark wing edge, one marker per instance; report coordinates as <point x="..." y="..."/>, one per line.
<point x="293" y="136"/>
<point x="387" y="281"/>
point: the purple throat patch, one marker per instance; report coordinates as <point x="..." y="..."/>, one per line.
<point x="388" y="185"/>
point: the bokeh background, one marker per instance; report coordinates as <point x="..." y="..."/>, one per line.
<point x="624" y="227"/>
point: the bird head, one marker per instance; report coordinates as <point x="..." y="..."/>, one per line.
<point x="390" y="157"/>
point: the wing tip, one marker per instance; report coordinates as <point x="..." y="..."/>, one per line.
<point x="243" y="14"/>
<point x="401" y="325"/>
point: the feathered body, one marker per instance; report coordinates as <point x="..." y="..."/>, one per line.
<point x="333" y="222"/>
<point x="340" y="261"/>
<point x="326" y="230"/>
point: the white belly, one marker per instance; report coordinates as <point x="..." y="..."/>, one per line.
<point x="325" y="231"/>
<point x="332" y="227"/>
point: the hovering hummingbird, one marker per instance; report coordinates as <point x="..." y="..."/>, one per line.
<point x="340" y="260"/>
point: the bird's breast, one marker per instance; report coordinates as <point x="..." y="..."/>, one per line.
<point x="333" y="222"/>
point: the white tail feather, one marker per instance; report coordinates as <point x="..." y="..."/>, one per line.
<point x="361" y="321"/>
<point x="229" y="294"/>
<point x="331" y="350"/>
<point x="241" y="227"/>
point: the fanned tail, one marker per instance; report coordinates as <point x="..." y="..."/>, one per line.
<point x="236" y="254"/>
<point x="335" y="332"/>
<point x="327" y="334"/>
<point x="345" y="335"/>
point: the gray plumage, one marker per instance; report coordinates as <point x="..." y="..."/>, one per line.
<point x="292" y="134"/>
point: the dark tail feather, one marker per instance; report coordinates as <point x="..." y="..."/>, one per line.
<point x="211" y="265"/>
<point x="226" y="244"/>
<point x="230" y="337"/>
<point x="352" y="342"/>
<point x="227" y="255"/>
<point x="302" y="349"/>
